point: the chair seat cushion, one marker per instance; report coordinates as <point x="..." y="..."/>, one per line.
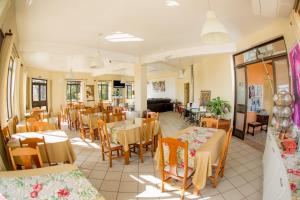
<point x="144" y="142"/>
<point x="254" y="124"/>
<point x="180" y="171"/>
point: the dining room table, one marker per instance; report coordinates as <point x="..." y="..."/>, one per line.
<point x="127" y="132"/>
<point x="58" y="144"/>
<point x="204" y="147"/>
<point x="63" y="181"/>
<point x="53" y="122"/>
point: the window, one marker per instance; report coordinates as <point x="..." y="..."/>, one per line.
<point x="103" y="88"/>
<point x="73" y="91"/>
<point x="10" y="87"/>
<point x="39" y="92"/>
<point x="129" y="91"/>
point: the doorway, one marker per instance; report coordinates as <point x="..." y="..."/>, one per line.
<point x="39" y="93"/>
<point x="257" y="78"/>
<point x="186" y="93"/>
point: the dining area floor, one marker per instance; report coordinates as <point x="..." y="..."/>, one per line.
<point x="242" y="180"/>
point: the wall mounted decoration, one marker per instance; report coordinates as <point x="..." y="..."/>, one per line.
<point x="294" y="56"/>
<point x="159" y="86"/>
<point x="205" y="96"/>
<point x="90" y="96"/>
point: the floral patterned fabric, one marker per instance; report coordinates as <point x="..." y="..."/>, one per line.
<point x="195" y="138"/>
<point x="64" y="185"/>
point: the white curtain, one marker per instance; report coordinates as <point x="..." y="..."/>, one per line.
<point x="17" y="83"/>
<point x="5" y="53"/>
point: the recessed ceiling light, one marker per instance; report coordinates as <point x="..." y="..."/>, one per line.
<point x="122" y="37"/>
<point x="172" y="3"/>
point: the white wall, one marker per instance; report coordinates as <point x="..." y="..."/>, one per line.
<point x="170" y="90"/>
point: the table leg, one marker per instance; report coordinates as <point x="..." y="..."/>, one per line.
<point x="126" y="157"/>
<point x="196" y="191"/>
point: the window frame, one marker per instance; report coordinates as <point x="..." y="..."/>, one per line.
<point x="40" y="83"/>
<point x="73" y="83"/>
<point x="100" y="89"/>
<point x="10" y="87"/>
<point x="130" y="85"/>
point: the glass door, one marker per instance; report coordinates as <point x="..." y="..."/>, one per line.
<point x="39" y="93"/>
<point x="240" y="106"/>
<point x="281" y="74"/>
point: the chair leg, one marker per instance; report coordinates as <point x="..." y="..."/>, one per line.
<point x="183" y="189"/>
<point x="141" y="153"/>
<point x="110" y="159"/>
<point x="214" y="182"/>
<point x="103" y="156"/>
<point x="162" y="182"/>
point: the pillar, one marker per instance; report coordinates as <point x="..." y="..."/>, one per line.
<point x="140" y="88"/>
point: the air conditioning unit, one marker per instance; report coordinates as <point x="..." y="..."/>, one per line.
<point x="272" y="8"/>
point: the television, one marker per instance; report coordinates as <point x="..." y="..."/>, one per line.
<point x="118" y="84"/>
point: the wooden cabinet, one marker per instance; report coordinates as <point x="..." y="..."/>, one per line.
<point x="275" y="185"/>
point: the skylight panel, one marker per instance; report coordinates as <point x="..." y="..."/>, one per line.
<point x="122" y="37"/>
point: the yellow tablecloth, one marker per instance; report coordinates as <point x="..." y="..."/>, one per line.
<point x="128" y="132"/>
<point x="206" y="155"/>
<point x="91" y="119"/>
<point x="53" y="182"/>
<point x="58" y="145"/>
<point x="21" y="126"/>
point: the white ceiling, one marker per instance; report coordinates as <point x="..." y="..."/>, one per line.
<point x="60" y="34"/>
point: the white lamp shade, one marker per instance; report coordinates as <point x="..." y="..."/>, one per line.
<point x="213" y="32"/>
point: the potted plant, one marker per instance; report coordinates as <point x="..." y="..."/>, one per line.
<point x="218" y="107"/>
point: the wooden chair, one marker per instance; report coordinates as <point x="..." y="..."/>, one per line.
<point x="154" y="115"/>
<point x="107" y="115"/>
<point x="29" y="121"/>
<point x="59" y="118"/>
<point x="26" y="155"/>
<point x="107" y="147"/>
<point x="209" y="122"/>
<point x="180" y="110"/>
<point x="84" y="128"/>
<point x="42" y="126"/>
<point x="219" y="166"/>
<point x="6" y="134"/>
<point x="119" y="117"/>
<point x="173" y="169"/>
<point x="109" y="108"/>
<point x="146" y="137"/>
<point x="15" y="122"/>
<point x="33" y="143"/>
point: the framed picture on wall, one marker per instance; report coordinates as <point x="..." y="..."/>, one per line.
<point x="159" y="86"/>
<point x="205" y="96"/>
<point x="90" y="96"/>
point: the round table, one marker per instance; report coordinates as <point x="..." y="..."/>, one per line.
<point x="58" y="145"/>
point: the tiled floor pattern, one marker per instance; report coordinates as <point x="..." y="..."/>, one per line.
<point x="243" y="173"/>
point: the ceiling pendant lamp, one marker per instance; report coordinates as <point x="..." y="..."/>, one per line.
<point x="213" y="31"/>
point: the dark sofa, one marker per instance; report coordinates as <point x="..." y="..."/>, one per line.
<point x="159" y="105"/>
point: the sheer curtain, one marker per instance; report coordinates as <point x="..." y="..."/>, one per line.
<point x="5" y="53"/>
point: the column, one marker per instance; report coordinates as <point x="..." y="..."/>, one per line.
<point x="140" y="88"/>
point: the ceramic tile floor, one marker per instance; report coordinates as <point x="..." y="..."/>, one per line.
<point x="243" y="173"/>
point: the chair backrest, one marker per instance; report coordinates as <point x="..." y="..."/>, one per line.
<point x="154" y="115"/>
<point x="42" y="126"/>
<point x="32" y="142"/>
<point x="119" y="117"/>
<point x="173" y="145"/>
<point x="224" y="151"/>
<point x="6" y="134"/>
<point x="106" y="115"/>
<point x="26" y="155"/>
<point x="109" y="108"/>
<point x="102" y="130"/>
<point x="59" y="120"/>
<point x="148" y="127"/>
<point x="15" y="122"/>
<point x="209" y="122"/>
